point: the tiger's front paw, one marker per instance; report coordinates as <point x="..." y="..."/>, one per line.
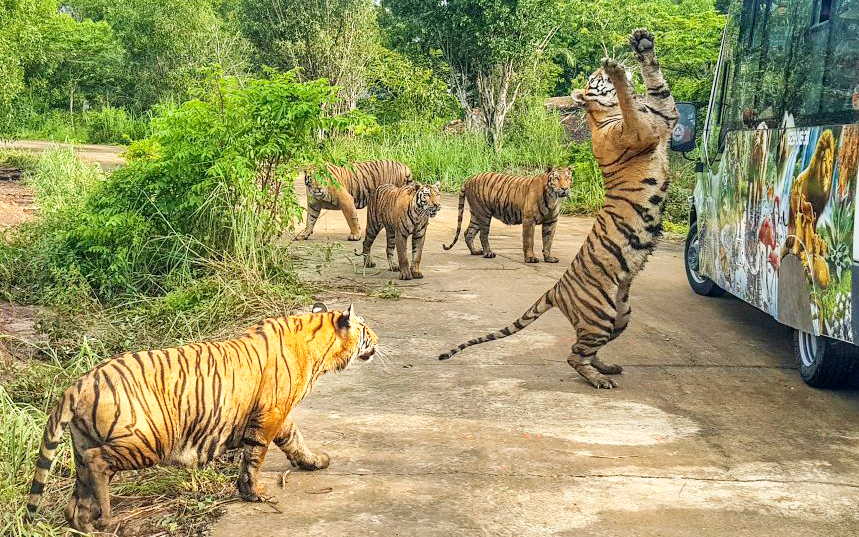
<point x="488" y="254"/>
<point x="317" y="462"/>
<point x="354" y="237"/>
<point x="303" y="236"/>
<point x="641" y="42"/>
<point x="613" y="69"/>
<point x="531" y="259"/>
<point x="405" y="274"/>
<point x="417" y="274"/>
<point x="549" y="258"/>
<point x="369" y="263"/>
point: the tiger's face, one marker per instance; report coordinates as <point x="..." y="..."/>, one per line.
<point x="352" y="338"/>
<point x="428" y="199"/>
<point x="313" y="187"/>
<point x="559" y="181"/>
<point x="599" y="93"/>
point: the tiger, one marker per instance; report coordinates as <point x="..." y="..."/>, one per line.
<point x="187" y="405"/>
<point x="630" y="135"/>
<point x="356" y="185"/>
<point x="514" y="199"/>
<point x="402" y="211"/>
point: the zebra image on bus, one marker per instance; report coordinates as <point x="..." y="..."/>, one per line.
<point x="774" y="207"/>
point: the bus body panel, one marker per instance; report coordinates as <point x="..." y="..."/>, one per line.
<point x="743" y="205"/>
<point x="776" y="188"/>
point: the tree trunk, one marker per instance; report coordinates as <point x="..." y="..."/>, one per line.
<point x="497" y="91"/>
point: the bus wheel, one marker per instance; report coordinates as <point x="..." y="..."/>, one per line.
<point x="824" y="362"/>
<point x="691" y="255"/>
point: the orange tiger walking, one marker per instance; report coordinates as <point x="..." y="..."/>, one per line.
<point x="187" y="405"/>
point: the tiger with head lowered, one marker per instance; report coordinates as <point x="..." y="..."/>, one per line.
<point x="402" y="211"/>
<point x="187" y="405"/>
<point x="630" y="135"/>
<point x="514" y="199"/>
<point x="354" y="189"/>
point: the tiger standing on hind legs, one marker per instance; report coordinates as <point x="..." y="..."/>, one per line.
<point x="630" y="135"/>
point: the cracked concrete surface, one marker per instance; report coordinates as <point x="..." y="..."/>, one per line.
<point x="711" y="431"/>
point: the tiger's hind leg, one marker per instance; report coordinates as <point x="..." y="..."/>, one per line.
<point x="291" y="442"/>
<point x="390" y="243"/>
<point x="583" y="355"/>
<point x="621" y="320"/>
<point x="470" y="233"/>
<point x="80" y="510"/>
<point x="100" y="469"/>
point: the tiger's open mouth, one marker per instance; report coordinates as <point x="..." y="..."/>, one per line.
<point x="562" y="193"/>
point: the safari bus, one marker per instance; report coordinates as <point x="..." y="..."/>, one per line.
<point x="774" y="206"/>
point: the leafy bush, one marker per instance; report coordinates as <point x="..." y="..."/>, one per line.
<point x="219" y="185"/>
<point x="113" y="126"/>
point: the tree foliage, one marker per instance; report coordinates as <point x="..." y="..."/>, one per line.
<point x="687" y="32"/>
<point x="490" y="46"/>
<point x="332" y="39"/>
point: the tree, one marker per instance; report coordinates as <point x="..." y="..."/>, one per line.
<point x="86" y="58"/>
<point x="332" y="39"/>
<point x="168" y="44"/>
<point x="490" y="46"/>
<point x="687" y="32"/>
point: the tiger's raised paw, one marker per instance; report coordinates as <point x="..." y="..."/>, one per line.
<point x="550" y="259"/>
<point x="612" y="68"/>
<point x="531" y="260"/>
<point x="641" y="42"/>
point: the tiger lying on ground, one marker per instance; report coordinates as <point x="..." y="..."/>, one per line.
<point x="630" y="136"/>
<point x="402" y="211"/>
<point x="187" y="405"/>
<point x="514" y="199"/>
<point x="354" y="191"/>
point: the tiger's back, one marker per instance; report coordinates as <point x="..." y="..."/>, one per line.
<point x="504" y="196"/>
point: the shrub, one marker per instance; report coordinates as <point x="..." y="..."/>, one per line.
<point x="113" y="126"/>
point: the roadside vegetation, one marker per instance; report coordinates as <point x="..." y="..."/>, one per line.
<point x="219" y="102"/>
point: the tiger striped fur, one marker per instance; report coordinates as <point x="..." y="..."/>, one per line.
<point x="354" y="191"/>
<point x="402" y="211"/>
<point x="187" y="405"/>
<point x="630" y="136"/>
<point x="514" y="199"/>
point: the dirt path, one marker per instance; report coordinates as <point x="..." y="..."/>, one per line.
<point x="710" y="433"/>
<point x="106" y="155"/>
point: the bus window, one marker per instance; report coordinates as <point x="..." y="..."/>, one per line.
<point x="841" y="85"/>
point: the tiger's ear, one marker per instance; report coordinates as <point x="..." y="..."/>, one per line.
<point x="578" y="96"/>
<point x="436" y="185"/>
<point x="549" y="169"/>
<point x="345" y="320"/>
<point x="319" y="307"/>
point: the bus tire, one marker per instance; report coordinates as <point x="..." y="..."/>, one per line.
<point x="825" y="362"/>
<point x="699" y="283"/>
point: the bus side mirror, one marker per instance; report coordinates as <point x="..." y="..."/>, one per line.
<point x="683" y="136"/>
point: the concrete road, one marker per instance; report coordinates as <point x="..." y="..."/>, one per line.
<point x="711" y="431"/>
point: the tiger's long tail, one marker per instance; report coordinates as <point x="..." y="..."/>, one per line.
<point x="458" y="220"/>
<point x="56" y="426"/>
<point x="543" y="304"/>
